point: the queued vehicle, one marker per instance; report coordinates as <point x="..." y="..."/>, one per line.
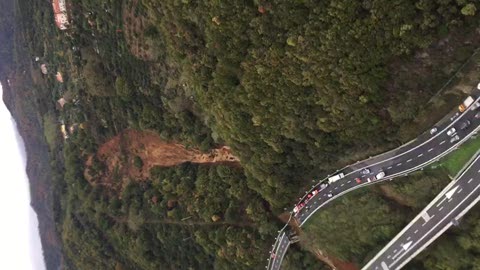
<point x="365" y="171"/>
<point x="378" y="176"/>
<point x="466" y="103"/>
<point x="298" y="207"/>
<point x="455" y="138"/>
<point x="433" y="130"/>
<point x="358" y="180"/>
<point x="335" y="178"/>
<point x="465" y="124"/>
<point x="451" y="131"/>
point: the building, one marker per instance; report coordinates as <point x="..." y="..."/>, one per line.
<point x="59" y="6"/>
<point x="59" y="77"/>
<point x="44" y="69"/>
<point x="61" y="102"/>
<point x="61" y="16"/>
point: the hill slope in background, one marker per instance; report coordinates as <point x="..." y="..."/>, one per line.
<point x="296" y="90"/>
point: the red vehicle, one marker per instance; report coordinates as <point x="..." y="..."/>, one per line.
<point x="358" y="180"/>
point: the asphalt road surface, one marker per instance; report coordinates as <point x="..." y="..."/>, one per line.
<point x="438" y="216"/>
<point x="417" y="154"/>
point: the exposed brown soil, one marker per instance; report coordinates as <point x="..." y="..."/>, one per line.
<point x="119" y="154"/>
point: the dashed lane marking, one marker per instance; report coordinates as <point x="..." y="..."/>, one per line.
<point x="440" y="209"/>
<point x="430" y="150"/>
<point x="420" y="155"/>
<point x="470" y="180"/>
<point x="460" y="190"/>
<point x="399" y="164"/>
<point x="442" y="142"/>
<point x="409" y="238"/>
<point x="409" y="160"/>
<point x="389" y="167"/>
<point x="415" y="231"/>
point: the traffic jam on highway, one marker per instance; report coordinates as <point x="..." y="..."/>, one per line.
<point x="429" y="147"/>
<point x="405" y="161"/>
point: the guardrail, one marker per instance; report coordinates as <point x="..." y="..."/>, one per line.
<point x="454" y="147"/>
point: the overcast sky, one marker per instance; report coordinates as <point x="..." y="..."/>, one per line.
<point x="20" y="246"/>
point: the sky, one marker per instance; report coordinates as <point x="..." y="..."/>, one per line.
<point x="20" y="246"/>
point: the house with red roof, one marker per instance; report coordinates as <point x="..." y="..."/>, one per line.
<point x="61" y="16"/>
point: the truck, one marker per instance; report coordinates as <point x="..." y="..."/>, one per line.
<point x="466" y="103"/>
<point x="335" y="178"/>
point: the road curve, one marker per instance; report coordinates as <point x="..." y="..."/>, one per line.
<point x="415" y="155"/>
<point x="444" y="211"/>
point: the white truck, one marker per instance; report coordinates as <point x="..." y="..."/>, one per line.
<point x="335" y="178"/>
<point x="466" y="103"/>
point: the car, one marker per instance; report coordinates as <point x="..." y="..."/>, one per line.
<point x="358" y="180"/>
<point x="380" y="175"/>
<point x="477" y="115"/>
<point x="476" y="105"/>
<point x="433" y="130"/>
<point x="465" y="124"/>
<point x="365" y="171"/>
<point x="454" y="139"/>
<point x="296" y="209"/>
<point x="329" y="195"/>
<point x="370" y="179"/>
<point x="323" y="186"/>
<point x="451" y="131"/>
<point x="314" y="192"/>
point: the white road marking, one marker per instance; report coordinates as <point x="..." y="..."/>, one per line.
<point x="399" y="164"/>
<point x="441" y="201"/>
<point x="415" y="231"/>
<point x="470" y="180"/>
<point x="389" y="167"/>
<point x="420" y="155"/>
<point x="389" y="256"/>
<point x="430" y="150"/>
<point x="440" y="209"/>
<point x="342" y="185"/>
<point x="409" y="160"/>
<point x="349" y="182"/>
<point x="395" y="251"/>
<point x="451" y="192"/>
<point x="407" y="245"/>
<point x="396" y="255"/>
<point x="440" y="222"/>
<point x="384" y="266"/>
<point x="409" y="238"/>
<point x="460" y="190"/>
<point x="442" y="142"/>
<point x="425" y="216"/>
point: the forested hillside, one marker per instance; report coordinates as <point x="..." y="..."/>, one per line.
<point x="296" y="90"/>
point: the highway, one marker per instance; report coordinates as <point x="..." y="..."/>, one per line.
<point x="415" y="155"/>
<point x="444" y="211"/>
